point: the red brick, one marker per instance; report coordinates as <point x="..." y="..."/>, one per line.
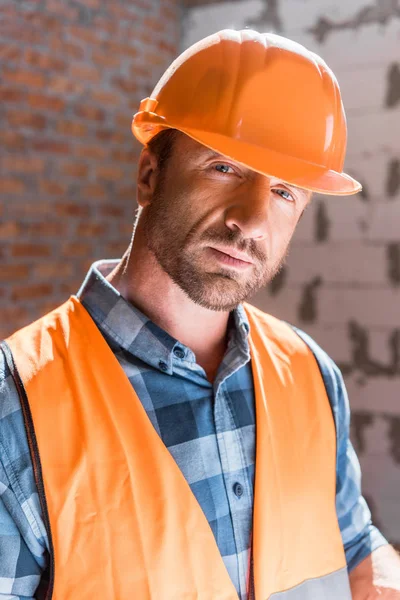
<point x="84" y="34"/>
<point x="50" y="270"/>
<point x="147" y="37"/>
<point x="22" y="164"/>
<point x="8" y="11"/>
<point x="12" y="140"/>
<point x="106" y="24"/>
<point x="9" y="52"/>
<point x="53" y="188"/>
<point x="44" y="21"/>
<point x="12" y="273"/>
<point x="8" y="229"/>
<point x="12" y="186"/>
<point x="89" y="229"/>
<point x="90" y="112"/>
<point x="90" y="3"/>
<point x="111" y="136"/>
<point x="169" y="14"/>
<point x="11" y="95"/>
<point x="23" y="118"/>
<point x="45" y="228"/>
<point x="110" y="98"/>
<point x="93" y="190"/>
<point x="115" y="249"/>
<point x="13" y="314"/>
<point x="126" y="228"/>
<point x="84" y="72"/>
<point x="41" y="101"/>
<point x="128" y="86"/>
<point x="110" y="210"/>
<point x="28" y="78"/>
<point x="95" y="152"/>
<point x="128" y="156"/>
<point x="63" y="85"/>
<point x="24" y="34"/>
<point x="126" y="193"/>
<point x="72" y="128"/>
<point x="109" y="172"/>
<point x="164" y="47"/>
<point x="30" y="250"/>
<point x="154" y="59"/>
<point x="76" y="169"/>
<point x="72" y="209"/>
<point x="72" y="285"/>
<point x="66" y="49"/>
<point x="104" y="59"/>
<point x="123" y="120"/>
<point x="27" y="292"/>
<point x="152" y="24"/>
<point x="63" y="9"/>
<point x="123" y="50"/>
<point x="75" y="249"/>
<point x="51" y="146"/>
<point x="140" y="70"/>
<point x="30" y="208"/>
<point x="43" y="60"/>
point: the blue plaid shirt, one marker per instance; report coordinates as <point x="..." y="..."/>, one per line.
<point x="209" y="428"/>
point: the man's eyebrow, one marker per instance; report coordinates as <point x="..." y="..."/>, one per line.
<point x="210" y="153"/>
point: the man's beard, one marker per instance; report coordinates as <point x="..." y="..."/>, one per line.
<point x="181" y="260"/>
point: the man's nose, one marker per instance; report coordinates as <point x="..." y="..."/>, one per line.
<point x="249" y="210"/>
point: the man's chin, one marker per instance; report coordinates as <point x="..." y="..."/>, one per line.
<point x="222" y="297"/>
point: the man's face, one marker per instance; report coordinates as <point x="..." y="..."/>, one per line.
<point x="218" y="229"/>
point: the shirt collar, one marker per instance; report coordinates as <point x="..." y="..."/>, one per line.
<point x="135" y="332"/>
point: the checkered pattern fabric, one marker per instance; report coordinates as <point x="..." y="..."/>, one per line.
<point x="208" y="428"/>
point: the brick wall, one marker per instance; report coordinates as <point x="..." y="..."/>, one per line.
<point x="72" y="75"/>
<point x="342" y="279"/>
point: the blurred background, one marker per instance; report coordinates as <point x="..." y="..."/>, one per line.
<point x="72" y="75"/>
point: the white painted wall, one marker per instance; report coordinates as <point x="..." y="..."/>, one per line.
<point x="358" y="262"/>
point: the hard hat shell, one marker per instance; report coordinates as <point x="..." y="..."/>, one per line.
<point x="260" y="99"/>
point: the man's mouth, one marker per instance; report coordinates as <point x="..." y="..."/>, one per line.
<point x="231" y="256"/>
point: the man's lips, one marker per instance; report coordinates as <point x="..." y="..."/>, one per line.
<point x="233" y="253"/>
<point x="231" y="257"/>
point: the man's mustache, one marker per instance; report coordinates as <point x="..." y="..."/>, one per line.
<point x="235" y="241"/>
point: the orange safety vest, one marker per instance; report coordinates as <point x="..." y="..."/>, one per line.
<point x="122" y="521"/>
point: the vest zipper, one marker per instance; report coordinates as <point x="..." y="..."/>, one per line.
<point x="34" y="452"/>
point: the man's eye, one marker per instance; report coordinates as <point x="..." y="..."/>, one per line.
<point x="285" y="194"/>
<point x="222" y="168"/>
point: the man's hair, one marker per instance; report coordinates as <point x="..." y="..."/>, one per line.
<point x="162" y="145"/>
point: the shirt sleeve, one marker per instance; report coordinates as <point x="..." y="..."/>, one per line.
<point x="23" y="540"/>
<point x="360" y="537"/>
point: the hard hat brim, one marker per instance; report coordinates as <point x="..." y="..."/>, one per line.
<point x="292" y="170"/>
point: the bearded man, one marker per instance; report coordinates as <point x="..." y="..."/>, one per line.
<point x="162" y="439"/>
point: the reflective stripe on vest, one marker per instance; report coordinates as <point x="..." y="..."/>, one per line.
<point x="123" y="521"/>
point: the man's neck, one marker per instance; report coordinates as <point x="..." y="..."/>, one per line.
<point x="142" y="282"/>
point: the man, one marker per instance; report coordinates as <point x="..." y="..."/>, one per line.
<point x="160" y="439"/>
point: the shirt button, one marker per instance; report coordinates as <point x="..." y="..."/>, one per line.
<point x="163" y="365"/>
<point x="238" y="489"/>
<point x="179" y="353"/>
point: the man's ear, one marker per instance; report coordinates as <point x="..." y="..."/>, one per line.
<point x="147" y="177"/>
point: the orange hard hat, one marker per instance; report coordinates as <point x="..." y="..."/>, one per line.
<point x="260" y="99"/>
